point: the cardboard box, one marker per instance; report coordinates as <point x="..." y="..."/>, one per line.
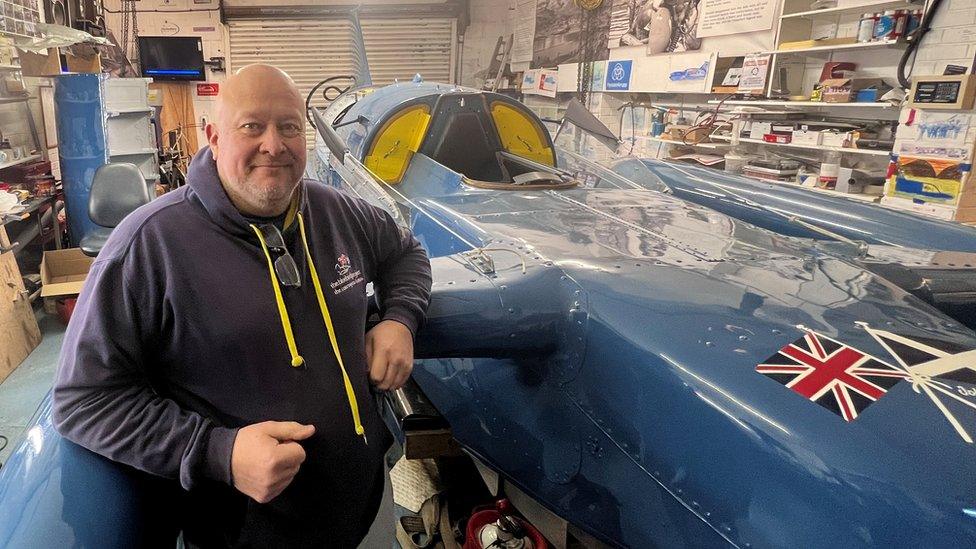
<point x="836" y="90"/>
<point x="806" y="137"/>
<point x="835" y="139"/>
<point x="758" y="129"/>
<point x="19" y="333"/>
<point x="63" y="272"/>
<point x="940" y="211"/>
<point x="35" y="64"/>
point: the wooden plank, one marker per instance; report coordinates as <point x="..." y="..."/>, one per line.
<point x="178" y="112"/>
<point x="19" y="333"/>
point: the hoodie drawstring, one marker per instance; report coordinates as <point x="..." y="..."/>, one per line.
<point x="296" y="359"/>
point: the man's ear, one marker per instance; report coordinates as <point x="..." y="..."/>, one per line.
<point x="211" y="132"/>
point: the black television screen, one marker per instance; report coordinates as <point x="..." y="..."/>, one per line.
<point x="171" y="57"/>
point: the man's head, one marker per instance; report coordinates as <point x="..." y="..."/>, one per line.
<point x="258" y="139"/>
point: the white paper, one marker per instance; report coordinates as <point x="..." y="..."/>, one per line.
<point x="524" y="31"/>
<point x="754" y="69"/>
<point x="936" y="134"/>
<point x="548" y="82"/>
<point x="722" y="17"/>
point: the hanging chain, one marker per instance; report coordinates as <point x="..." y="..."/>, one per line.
<point x="130" y="30"/>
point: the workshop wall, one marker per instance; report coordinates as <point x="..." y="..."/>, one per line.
<point x="179" y="18"/>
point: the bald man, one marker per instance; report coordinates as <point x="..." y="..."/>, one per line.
<point x="219" y="338"/>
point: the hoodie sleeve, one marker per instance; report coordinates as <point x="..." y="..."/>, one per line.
<point x="103" y="399"/>
<point x="402" y="278"/>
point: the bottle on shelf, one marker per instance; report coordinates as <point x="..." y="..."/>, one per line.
<point x="865" y="28"/>
<point x="829" y="170"/>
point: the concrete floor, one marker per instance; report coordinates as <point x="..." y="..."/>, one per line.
<point x="25" y="387"/>
<point x="22" y="391"/>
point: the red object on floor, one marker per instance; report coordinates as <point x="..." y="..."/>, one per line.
<point x="488" y="516"/>
<point x="65" y="307"/>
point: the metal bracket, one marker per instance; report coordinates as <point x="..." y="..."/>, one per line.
<point x="481" y="260"/>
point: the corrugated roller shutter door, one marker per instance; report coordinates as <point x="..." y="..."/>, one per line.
<point x="310" y="50"/>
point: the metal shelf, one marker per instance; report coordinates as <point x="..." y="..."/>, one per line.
<point x="4" y="100"/>
<point x="700" y="145"/>
<point x="112" y="113"/>
<point x="852" y="196"/>
<point x="863" y="8"/>
<point x="771" y="103"/>
<point x="8" y="68"/>
<point x="840" y="47"/>
<point x="869" y="152"/>
<point x="19" y="161"/>
<point x="133" y="153"/>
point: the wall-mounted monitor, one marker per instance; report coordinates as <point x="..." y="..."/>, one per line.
<point x="172" y="57"/>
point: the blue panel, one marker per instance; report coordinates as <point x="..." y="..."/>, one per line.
<point x="81" y="145"/>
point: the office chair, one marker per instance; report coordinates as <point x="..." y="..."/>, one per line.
<point x="117" y="190"/>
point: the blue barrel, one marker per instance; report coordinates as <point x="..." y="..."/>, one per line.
<point x="81" y="144"/>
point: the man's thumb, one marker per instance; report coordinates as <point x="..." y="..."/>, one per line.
<point x="285" y="431"/>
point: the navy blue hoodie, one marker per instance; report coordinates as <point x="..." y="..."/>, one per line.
<point x="177" y="341"/>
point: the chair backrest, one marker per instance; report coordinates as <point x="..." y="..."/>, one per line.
<point x="117" y="190"/>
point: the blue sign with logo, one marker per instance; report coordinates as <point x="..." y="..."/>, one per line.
<point x="618" y="75"/>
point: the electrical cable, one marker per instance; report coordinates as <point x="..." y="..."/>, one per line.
<point x="916" y="40"/>
<point x="708" y="123"/>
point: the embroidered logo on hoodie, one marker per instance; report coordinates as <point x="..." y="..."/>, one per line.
<point x="347" y="277"/>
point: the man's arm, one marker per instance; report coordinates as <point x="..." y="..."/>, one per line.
<point x="402" y="281"/>
<point x="102" y="396"/>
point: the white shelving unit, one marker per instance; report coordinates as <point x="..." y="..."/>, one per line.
<point x="18" y="161"/>
<point x="857" y="10"/>
<point x="847" y="150"/>
<point x="805" y="104"/>
<point x="819" y="50"/>
<point x="698" y="145"/>
<point x="852" y="196"/>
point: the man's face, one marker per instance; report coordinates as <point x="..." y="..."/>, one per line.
<point x="259" y="145"/>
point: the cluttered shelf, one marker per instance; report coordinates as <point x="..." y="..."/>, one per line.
<point x="19" y="161"/>
<point x="838" y="47"/>
<point x="853" y="196"/>
<point x="811" y="147"/>
<point x="701" y="145"/>
<point x="821" y="104"/>
<point x="855" y="9"/>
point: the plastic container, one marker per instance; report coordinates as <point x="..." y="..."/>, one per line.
<point x="901" y="19"/>
<point x="865" y="28"/>
<point x="829" y="170"/>
<point x="914" y="20"/>
<point x="885" y="27"/>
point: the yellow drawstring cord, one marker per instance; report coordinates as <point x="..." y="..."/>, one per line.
<point x="296" y="359"/>
<point x="350" y="394"/>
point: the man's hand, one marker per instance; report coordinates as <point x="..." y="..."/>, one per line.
<point x="266" y="457"/>
<point x="389" y="354"/>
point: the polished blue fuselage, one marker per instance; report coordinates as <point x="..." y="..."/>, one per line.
<point x="605" y="364"/>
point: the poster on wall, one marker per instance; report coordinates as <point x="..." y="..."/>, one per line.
<point x="929" y="180"/>
<point x="752" y="77"/>
<point x="540" y="82"/>
<point x="664" y="26"/>
<point x="618" y="74"/>
<point x="932" y="133"/>
<point x="722" y="17"/>
<point x="560" y="27"/>
<point x="524" y="31"/>
<point x="689" y="72"/>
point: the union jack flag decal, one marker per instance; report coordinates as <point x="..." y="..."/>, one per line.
<point x="835" y="376"/>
